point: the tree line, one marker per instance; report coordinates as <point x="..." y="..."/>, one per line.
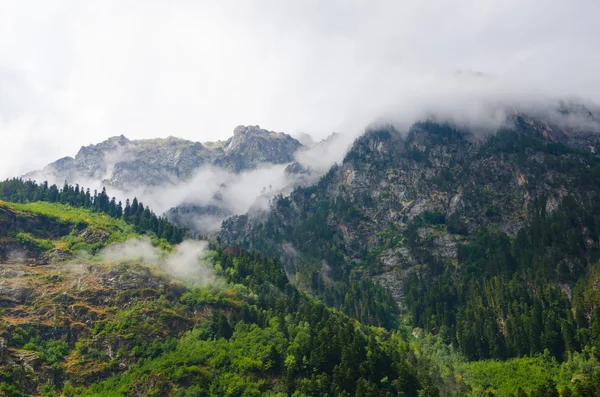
<point x="133" y="212"/>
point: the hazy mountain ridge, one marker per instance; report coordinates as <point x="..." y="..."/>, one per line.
<point x="126" y="164"/>
<point x="178" y="176"/>
<point x="427" y="168"/>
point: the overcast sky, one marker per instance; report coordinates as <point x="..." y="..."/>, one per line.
<point x="76" y="72"/>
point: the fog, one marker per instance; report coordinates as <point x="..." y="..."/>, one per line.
<point x="210" y="186"/>
<point x="221" y="192"/>
<point x="132" y="250"/>
<point x="185" y="262"/>
<point x="73" y="73"/>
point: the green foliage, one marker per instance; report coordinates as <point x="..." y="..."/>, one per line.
<point x="52" y="213"/>
<point x="11" y="390"/>
<point x="349" y="290"/>
<point x="134" y="213"/>
<point x="429" y="218"/>
<point x="506" y="302"/>
<point x="33" y="243"/>
<point x="51" y="351"/>
<point x="264" y="337"/>
<point x="525" y="376"/>
<point x="232" y="296"/>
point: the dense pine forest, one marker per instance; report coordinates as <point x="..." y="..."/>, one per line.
<point x="510" y="272"/>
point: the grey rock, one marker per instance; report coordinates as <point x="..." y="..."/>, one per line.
<point x="129" y="164"/>
<point x="390" y="177"/>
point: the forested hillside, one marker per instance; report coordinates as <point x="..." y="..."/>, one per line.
<point x="99" y="325"/>
<point x="437" y="262"/>
<point x="490" y="242"/>
<point x="80" y="325"/>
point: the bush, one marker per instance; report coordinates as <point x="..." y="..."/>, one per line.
<point x="430" y="218"/>
<point x="33" y="243"/>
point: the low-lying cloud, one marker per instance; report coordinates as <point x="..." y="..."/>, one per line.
<point x="212" y="194"/>
<point x="219" y="192"/>
<point x="185" y="262"/>
<point x="132" y="250"/>
<point x="73" y="73"/>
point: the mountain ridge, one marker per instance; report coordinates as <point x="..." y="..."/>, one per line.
<point x="411" y="211"/>
<point x="124" y="163"/>
<point x="473" y="259"/>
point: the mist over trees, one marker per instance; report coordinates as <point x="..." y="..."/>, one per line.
<point x="143" y="218"/>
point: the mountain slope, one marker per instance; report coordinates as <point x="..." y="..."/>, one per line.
<point x="114" y="325"/>
<point x="444" y="218"/>
<point x="121" y="323"/>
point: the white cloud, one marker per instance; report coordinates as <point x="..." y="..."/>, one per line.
<point x="73" y="73"/>
<point x="186" y="261"/>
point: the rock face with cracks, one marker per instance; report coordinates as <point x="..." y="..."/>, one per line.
<point x="402" y="199"/>
<point x="126" y="164"/>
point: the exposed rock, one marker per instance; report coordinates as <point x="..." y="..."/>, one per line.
<point x="92" y="235"/>
<point x="251" y="146"/>
<point x="28" y="359"/>
<point x="125" y="277"/>
<point x="296" y="168"/>
<point x="55" y="255"/>
<point x="393" y="280"/>
<point x="453" y="181"/>
<point x="129" y="164"/>
<point x="4" y="357"/>
<point x="399" y="258"/>
<point x="15" y="292"/>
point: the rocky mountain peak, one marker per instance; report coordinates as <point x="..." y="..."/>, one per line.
<point x="245" y="129"/>
<point x="111" y="143"/>
<point x="125" y="163"/>
<point x="251" y="146"/>
<point x="253" y="134"/>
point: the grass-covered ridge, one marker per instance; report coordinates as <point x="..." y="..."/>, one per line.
<point x="144" y="220"/>
<point x="82" y="229"/>
<point x="69" y="214"/>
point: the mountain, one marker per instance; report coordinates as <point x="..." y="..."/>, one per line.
<point x="92" y="307"/>
<point x="126" y="164"/>
<point x="250" y="146"/>
<point x="110" y="317"/>
<point x="99" y="300"/>
<point x="190" y="182"/>
<point x="474" y="235"/>
<point x="463" y="261"/>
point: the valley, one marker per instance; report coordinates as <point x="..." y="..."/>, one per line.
<point x="433" y="262"/>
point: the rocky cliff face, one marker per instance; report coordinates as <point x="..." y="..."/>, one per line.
<point x="126" y="164"/>
<point x="251" y="146"/>
<point x="401" y="200"/>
